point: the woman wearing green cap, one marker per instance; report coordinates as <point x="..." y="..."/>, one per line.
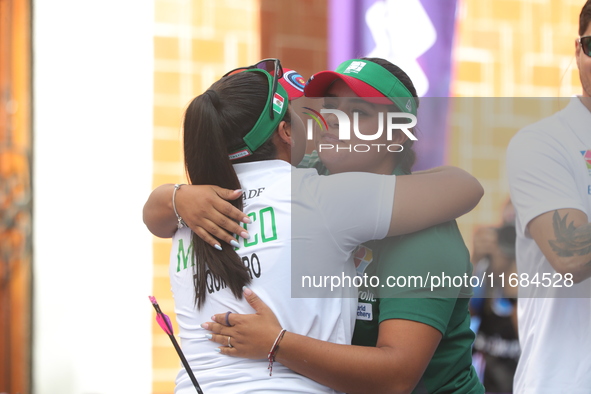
<point x="420" y="342"/>
<point x="220" y="130"/>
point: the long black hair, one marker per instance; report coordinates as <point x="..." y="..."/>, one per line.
<point x="216" y="122"/>
<point x="408" y="156"/>
<point x="585" y="18"/>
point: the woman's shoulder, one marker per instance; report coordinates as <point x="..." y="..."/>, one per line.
<point x="435" y="249"/>
<point x="444" y="234"/>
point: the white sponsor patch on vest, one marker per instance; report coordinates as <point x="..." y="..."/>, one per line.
<point x="364" y="311"/>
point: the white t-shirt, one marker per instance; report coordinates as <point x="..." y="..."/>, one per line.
<point x="298" y="216"/>
<point x="547" y="171"/>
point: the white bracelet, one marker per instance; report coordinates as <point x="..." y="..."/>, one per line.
<point x="181" y="223"/>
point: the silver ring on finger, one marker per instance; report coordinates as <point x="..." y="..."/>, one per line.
<point x="229" y="344"/>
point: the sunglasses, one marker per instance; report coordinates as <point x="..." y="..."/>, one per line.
<point x="273" y="67"/>
<point x="586" y="45"/>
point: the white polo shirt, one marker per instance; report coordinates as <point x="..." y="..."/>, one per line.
<point x="548" y="170"/>
<point x="300" y="218"/>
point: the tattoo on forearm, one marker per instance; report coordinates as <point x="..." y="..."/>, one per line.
<point x="570" y="240"/>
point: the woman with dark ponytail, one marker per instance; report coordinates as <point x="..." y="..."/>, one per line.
<point x="239" y="135"/>
<point x="213" y="122"/>
<point x="410" y="338"/>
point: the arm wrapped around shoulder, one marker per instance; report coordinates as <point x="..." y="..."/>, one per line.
<point x="431" y="197"/>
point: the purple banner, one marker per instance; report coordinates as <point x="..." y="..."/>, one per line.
<point x="417" y="36"/>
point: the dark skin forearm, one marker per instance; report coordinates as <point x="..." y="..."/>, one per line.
<point x="158" y="214"/>
<point x="350" y="369"/>
<point x="204" y="208"/>
<point x="395" y="365"/>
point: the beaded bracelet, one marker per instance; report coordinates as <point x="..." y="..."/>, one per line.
<point x="273" y="351"/>
<point x="181" y="222"/>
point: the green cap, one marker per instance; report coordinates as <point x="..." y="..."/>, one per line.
<point x="367" y="79"/>
<point x="265" y="126"/>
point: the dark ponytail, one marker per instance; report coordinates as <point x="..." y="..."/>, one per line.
<point x="408" y="156"/>
<point x="214" y="123"/>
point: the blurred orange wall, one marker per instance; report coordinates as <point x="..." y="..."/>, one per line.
<point x="15" y="196"/>
<point x="195" y="43"/>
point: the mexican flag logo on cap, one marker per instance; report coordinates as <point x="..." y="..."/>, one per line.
<point x="354" y="67"/>
<point x="278" y="103"/>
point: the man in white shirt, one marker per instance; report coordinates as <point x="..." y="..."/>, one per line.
<point x="549" y="169"/>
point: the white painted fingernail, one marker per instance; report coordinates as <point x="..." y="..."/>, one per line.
<point x="217" y="349"/>
<point x="208" y="336"/>
<point x="234" y="243"/>
<point x="217" y="246"/>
